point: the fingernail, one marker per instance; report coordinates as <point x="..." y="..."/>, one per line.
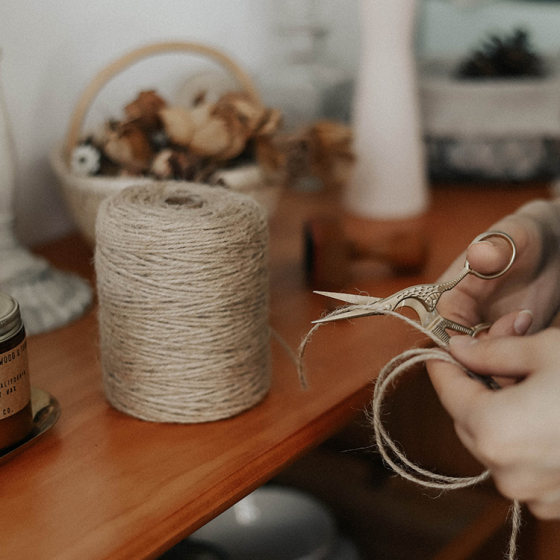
<point x="461" y="341"/>
<point x="523" y="321"/>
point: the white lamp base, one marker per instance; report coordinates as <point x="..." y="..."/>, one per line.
<point x="48" y="298"/>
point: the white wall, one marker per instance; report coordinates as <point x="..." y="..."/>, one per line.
<point x="52" y="48"/>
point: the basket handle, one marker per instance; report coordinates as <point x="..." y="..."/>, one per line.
<point x="78" y="116"/>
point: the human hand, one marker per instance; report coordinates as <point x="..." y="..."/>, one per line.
<point x="533" y="282"/>
<point x="515" y="431"/>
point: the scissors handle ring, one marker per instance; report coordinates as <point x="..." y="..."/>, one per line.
<point x="487" y="235"/>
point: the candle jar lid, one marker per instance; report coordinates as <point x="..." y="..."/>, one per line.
<point x="10" y="318"/>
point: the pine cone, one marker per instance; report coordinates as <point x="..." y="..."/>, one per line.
<point x="503" y="57"/>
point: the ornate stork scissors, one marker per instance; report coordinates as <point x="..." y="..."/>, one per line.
<point x="423" y="298"/>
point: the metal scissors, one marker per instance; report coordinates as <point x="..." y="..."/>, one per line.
<point x="422" y="298"/>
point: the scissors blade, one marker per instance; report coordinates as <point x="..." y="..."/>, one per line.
<point x="349" y="298"/>
<point x="354" y="299"/>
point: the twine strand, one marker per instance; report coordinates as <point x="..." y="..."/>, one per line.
<point x="388" y="449"/>
<point x="182" y="280"/>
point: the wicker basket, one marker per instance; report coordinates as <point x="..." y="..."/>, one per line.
<point x="84" y="194"/>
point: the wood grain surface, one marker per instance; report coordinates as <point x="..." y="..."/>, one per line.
<point x="105" y="485"/>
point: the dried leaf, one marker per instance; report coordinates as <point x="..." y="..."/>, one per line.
<point x="331" y="136"/>
<point x="129" y="146"/>
<point x="331" y="155"/>
<point x="241" y="107"/>
<point x="270" y="123"/>
<point x="269" y="155"/>
<point x="145" y="109"/>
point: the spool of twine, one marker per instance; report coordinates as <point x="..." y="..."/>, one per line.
<point x="182" y="280"/>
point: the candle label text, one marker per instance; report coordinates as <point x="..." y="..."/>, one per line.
<point x="15" y="389"/>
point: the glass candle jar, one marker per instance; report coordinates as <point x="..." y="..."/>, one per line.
<point x="16" y="418"/>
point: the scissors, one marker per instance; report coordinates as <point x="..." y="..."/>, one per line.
<point x="422" y="298"/>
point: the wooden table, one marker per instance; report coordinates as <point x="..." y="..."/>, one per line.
<point x="102" y="484"/>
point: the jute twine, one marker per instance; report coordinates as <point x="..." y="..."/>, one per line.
<point x="182" y="280"/>
<point x="392" y="454"/>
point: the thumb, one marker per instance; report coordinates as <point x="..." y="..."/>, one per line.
<point x="489" y="255"/>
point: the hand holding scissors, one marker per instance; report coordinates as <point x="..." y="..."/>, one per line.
<point x="423" y="298"/>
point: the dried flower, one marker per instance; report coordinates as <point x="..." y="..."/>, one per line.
<point x="331" y="138"/>
<point x="211" y="138"/>
<point x="201" y="113"/>
<point x="269" y="155"/>
<point x="237" y="140"/>
<point x="270" y="123"/>
<point x="144" y="110"/>
<point x="241" y="108"/>
<point x="331" y="151"/>
<point x="129" y="146"/>
<point x="178" y="143"/>
<point x="243" y="117"/>
<point x="321" y="151"/>
<point x="174" y="164"/>
<point x="178" y="124"/>
<point x="86" y="160"/>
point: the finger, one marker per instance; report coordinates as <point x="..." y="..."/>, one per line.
<point x="504" y="356"/>
<point x="547" y="505"/>
<point x="490" y="255"/>
<point x="493" y="253"/>
<point x="523" y="322"/>
<point x="456" y="390"/>
<point x="516" y="323"/>
<point x="544" y="509"/>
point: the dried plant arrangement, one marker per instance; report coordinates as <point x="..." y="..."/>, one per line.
<point x="507" y="56"/>
<point x="170" y="142"/>
<point x="164" y="141"/>
<point x="224" y="136"/>
<point x="321" y="152"/>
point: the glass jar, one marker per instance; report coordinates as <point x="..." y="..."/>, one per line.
<point x="16" y="420"/>
<point x="300" y="79"/>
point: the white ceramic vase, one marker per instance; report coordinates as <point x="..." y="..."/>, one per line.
<point x="388" y="180"/>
